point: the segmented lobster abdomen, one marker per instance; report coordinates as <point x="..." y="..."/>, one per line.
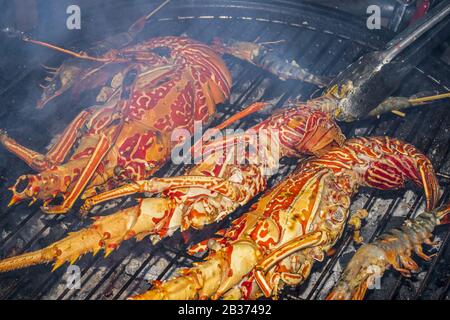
<point x="193" y="80"/>
<point x="303" y="130"/>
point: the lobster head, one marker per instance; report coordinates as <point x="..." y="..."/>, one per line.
<point x="75" y="77"/>
<point x="62" y="79"/>
<point x="363" y="270"/>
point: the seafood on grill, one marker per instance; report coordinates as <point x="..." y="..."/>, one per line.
<point x="263" y="56"/>
<point x="147" y="90"/>
<point x="167" y="83"/>
<point x="297" y="222"/>
<point x="393" y="248"/>
<point x="205" y="194"/>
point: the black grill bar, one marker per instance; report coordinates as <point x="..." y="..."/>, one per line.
<point x="348" y="238"/>
<point x="324" y="43"/>
<point x="381" y="225"/>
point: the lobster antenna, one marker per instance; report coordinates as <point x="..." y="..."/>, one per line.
<point x="253" y="108"/>
<point x="418" y="101"/>
<point x="443" y="175"/>
<point x="13" y="33"/>
<point x="397" y="105"/>
<point x="49" y="68"/>
<point x="156" y="10"/>
<point x="137" y="26"/>
<point x="271" y="42"/>
<point x="84" y="55"/>
<point x="80" y="55"/>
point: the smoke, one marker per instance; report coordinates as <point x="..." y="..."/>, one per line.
<point x="20" y="71"/>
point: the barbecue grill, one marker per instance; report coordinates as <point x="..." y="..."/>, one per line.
<point x="321" y="39"/>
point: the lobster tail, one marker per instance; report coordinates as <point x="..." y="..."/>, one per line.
<point x="262" y="56"/>
<point x="443" y="214"/>
<point x="388" y="163"/>
<point x="212" y="278"/>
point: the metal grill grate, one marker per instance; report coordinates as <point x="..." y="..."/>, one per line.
<point x="321" y="40"/>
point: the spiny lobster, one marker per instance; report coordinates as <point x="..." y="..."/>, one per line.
<point x="168" y="83"/>
<point x="393" y="248"/>
<point x="155" y="86"/>
<point x="296" y="222"/>
<point x="205" y="194"/>
<point x="161" y="84"/>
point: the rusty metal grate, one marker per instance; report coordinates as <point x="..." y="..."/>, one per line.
<point x="317" y="38"/>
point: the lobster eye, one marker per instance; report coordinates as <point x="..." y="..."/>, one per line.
<point x="129" y="77"/>
<point x="162" y="51"/>
<point x="58" y="83"/>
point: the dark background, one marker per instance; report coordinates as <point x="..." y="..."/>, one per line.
<point x="127" y="270"/>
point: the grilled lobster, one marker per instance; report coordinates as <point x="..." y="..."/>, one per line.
<point x="393" y="248"/>
<point x="147" y="90"/>
<point x="168" y="83"/>
<point x="205" y="194"/>
<point x="156" y="86"/>
<point x="297" y="222"/>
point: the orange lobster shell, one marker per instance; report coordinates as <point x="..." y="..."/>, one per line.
<point x="168" y="83"/>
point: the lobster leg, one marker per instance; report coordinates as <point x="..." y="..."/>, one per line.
<point x="394" y="104"/>
<point x="122" y="191"/>
<point x="419" y="251"/>
<point x="158" y="185"/>
<point x="85" y="176"/>
<point x="253" y="108"/>
<point x="355" y="222"/>
<point x="32" y="158"/>
<point x="218" y="145"/>
<point x="61" y="148"/>
<point x="269" y="285"/>
<point x="55" y="155"/>
<point x="300" y="243"/>
<point x="305" y="241"/>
